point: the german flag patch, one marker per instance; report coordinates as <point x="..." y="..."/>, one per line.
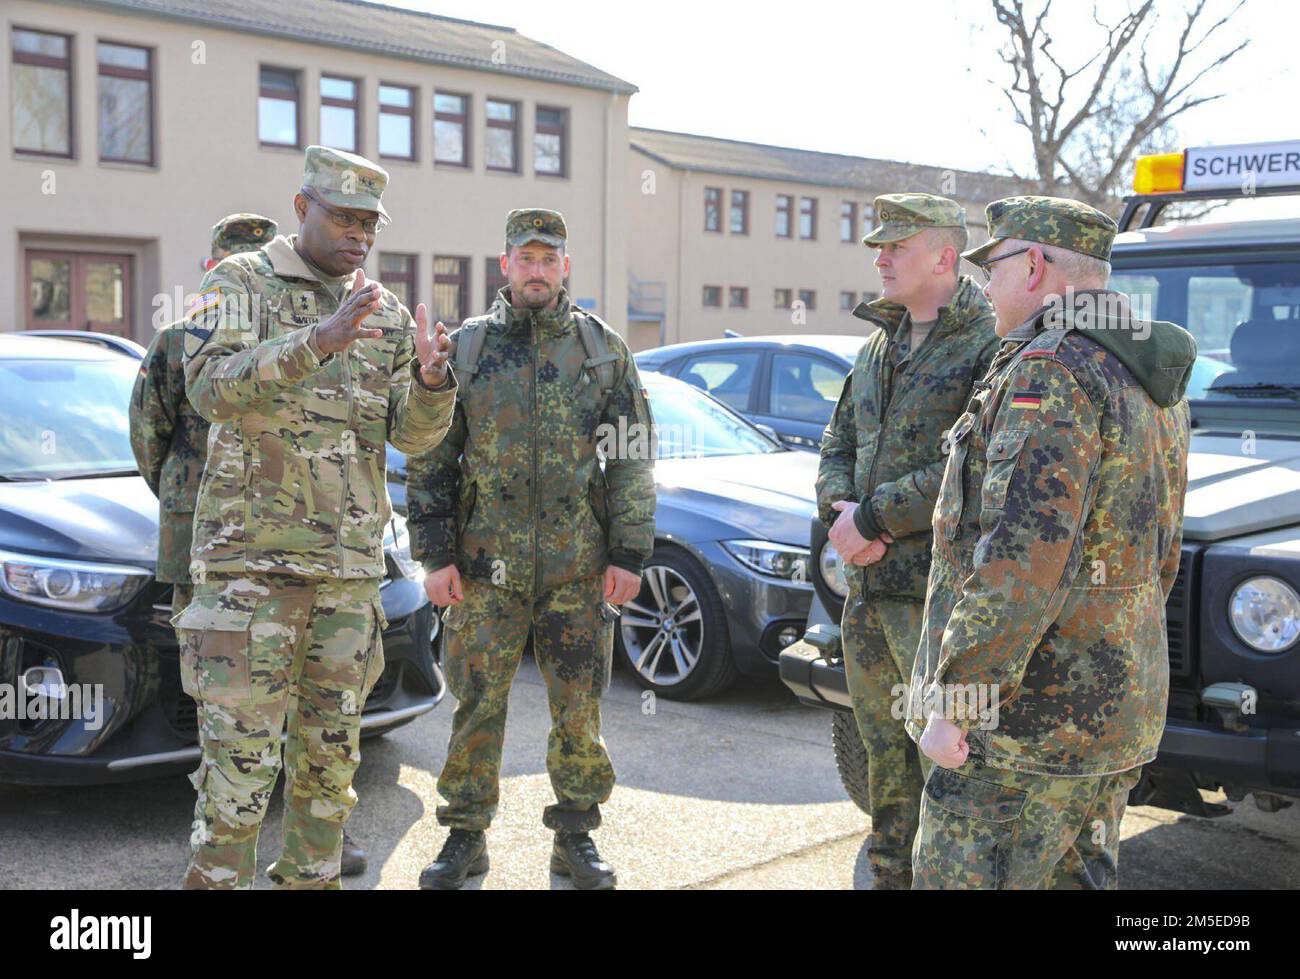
<point x="1027" y="400"/>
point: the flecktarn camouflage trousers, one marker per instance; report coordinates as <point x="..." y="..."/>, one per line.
<point x="573" y="638"/>
<point x="880" y="638"/>
<point x="990" y="828"/>
<point x="257" y="651"/>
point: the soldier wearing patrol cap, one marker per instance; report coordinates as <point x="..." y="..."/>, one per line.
<point x="1042" y="677"/>
<point x="520" y="529"/>
<point x="305" y="370"/>
<point x="881" y="460"/>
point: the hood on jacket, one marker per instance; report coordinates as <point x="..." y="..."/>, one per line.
<point x="888" y="315"/>
<point x="1160" y="355"/>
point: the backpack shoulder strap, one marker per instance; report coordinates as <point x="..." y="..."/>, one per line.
<point x="591" y="328"/>
<point x="469" y="344"/>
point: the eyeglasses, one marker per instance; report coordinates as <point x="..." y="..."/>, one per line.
<point x="371" y="226"/>
<point x="988" y="273"/>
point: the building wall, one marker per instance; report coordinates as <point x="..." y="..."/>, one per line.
<point x="670" y="244"/>
<point x="208" y="163"/>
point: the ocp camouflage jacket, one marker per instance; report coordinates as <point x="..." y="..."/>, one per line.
<point x="296" y="475"/>
<point x="1056" y="542"/>
<point x="885" y="446"/>
<point x="515" y="493"/>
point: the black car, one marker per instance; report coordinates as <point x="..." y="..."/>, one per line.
<point x="788" y="384"/>
<point x="81" y="616"/>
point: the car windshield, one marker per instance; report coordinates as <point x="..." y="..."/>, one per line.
<point x="65" y="418"/>
<point x="691" y="425"/>
<point x="1245" y="317"/>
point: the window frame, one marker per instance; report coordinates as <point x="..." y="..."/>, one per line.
<point x="704" y="297"/>
<point x="744" y="297"/>
<point x="812" y="215"/>
<point x="265" y="93"/>
<point x="811" y="304"/>
<point x="789" y="299"/>
<point x="493" y="273"/>
<point x="562" y="131"/>
<point x="744" y="212"/>
<point x="336" y="103"/>
<point x="412" y="114"/>
<point x="460" y="281"/>
<point x="464" y="119"/>
<point x="707" y="192"/>
<point x="852" y="296"/>
<point x="513" y="126"/>
<point x="786" y="209"/>
<point x="134" y="74"/>
<point x="852" y="218"/>
<point x="17" y="57"/>
<point x="411" y="277"/>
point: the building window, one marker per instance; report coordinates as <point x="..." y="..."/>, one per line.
<point x="495" y="281"/>
<point x="740" y="212"/>
<point x="784" y="215"/>
<point x="79" y="291"/>
<point x="809" y="298"/>
<point x="870" y="297"/>
<point x="848" y="301"/>
<point x="451" y="290"/>
<point x="397" y="122"/>
<point x="713" y="296"/>
<point x="502" y="151"/>
<point x="40" y="100"/>
<point x="848" y="220"/>
<point x="808" y="218"/>
<point x="125" y="103"/>
<point x="868" y="219"/>
<point x="782" y="299"/>
<point x="712" y="208"/>
<point x="277" y="108"/>
<point x="451" y="129"/>
<point x="738" y="297"/>
<point x="550" y="142"/>
<point x="397" y="273"/>
<point x="340" y="116"/>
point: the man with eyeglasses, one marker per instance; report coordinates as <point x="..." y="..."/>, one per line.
<point x="305" y="371"/>
<point x="1043" y="669"/>
<point x="882" y="458"/>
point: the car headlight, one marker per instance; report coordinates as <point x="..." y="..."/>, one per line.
<point x="831" y="566"/>
<point x="1265" y="614"/>
<point x="397" y="545"/>
<point x="769" y="558"/>
<point x="72" y="585"/>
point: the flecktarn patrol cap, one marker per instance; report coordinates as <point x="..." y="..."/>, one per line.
<point x="242" y="232"/>
<point x="527" y="224"/>
<point x="345" y="179"/>
<point x="900" y="216"/>
<point x="1055" y="221"/>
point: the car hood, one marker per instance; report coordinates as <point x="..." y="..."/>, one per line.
<point x="1235" y="487"/>
<point x="113" y="519"/>
<point x="769" y="496"/>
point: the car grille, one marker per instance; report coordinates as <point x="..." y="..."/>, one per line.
<point x="1180" y="616"/>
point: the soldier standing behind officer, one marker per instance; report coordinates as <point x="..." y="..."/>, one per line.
<point x="304" y="383"/>
<point x="1056" y="541"/>
<point x="520" y="530"/>
<point x="882" y="458"/>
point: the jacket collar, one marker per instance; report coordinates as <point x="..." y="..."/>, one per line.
<point x="288" y="264"/>
<point x="890" y="316"/>
<point x="555" y="321"/>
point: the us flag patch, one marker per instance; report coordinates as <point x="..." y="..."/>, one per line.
<point x="201" y="304"/>
<point x="1024" y="399"/>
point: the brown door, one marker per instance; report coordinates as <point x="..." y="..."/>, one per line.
<point x="79" y="291"/>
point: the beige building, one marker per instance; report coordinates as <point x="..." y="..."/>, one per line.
<point x="133" y="125"/>
<point x="762" y="239"/>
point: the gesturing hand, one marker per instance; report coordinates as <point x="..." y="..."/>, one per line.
<point x="340" y="330"/>
<point x="432" y="349"/>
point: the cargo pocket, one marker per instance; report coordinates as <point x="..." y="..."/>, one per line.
<point x="455" y="652"/>
<point x="215" y="640"/>
<point x="1002" y="455"/>
<point x="966" y="840"/>
<point x="375" y="661"/>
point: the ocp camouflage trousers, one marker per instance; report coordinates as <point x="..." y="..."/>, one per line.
<point x="255" y="652"/>
<point x="994" y="829"/>
<point x="880" y="638"/>
<point x="573" y="644"/>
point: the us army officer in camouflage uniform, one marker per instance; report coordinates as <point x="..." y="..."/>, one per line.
<point x="1056" y="542"/>
<point x="520" y="529"/>
<point x="304" y="381"/>
<point x="169" y="438"/>
<point x="882" y="458"/>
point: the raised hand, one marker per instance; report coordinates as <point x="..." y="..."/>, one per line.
<point x="432" y="349"/>
<point x="340" y="330"/>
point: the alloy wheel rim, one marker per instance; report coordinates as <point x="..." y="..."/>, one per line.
<point x="663" y="627"/>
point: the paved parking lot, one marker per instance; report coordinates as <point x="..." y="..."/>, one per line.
<point x="739" y="792"/>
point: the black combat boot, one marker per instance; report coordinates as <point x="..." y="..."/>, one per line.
<point x="463" y="855"/>
<point x="354" y="858"/>
<point x="574" y="855"/>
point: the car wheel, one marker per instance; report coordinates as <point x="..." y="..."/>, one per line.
<point x="673" y="636"/>
<point x="851" y="758"/>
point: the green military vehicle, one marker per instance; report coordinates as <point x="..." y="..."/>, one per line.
<point x="1233" y="618"/>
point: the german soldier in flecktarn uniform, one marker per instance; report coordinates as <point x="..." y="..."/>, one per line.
<point x="1043" y="675"/>
<point x="305" y="370"/>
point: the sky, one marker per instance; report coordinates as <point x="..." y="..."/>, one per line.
<point x="915" y="80"/>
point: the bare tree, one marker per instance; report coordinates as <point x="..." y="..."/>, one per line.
<point x="1087" y="123"/>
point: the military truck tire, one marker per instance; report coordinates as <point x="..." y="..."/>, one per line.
<point x="850" y="758"/>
